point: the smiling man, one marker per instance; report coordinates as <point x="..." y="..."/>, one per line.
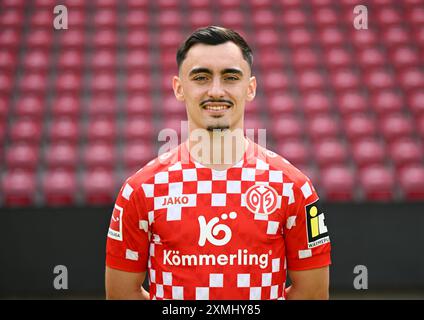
<point x="218" y="217"/>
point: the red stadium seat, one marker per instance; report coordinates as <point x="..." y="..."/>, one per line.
<point x="386" y="102"/>
<point x="66" y="105"/>
<point x="403" y="57"/>
<point x="310" y="80"/>
<point x="263" y="18"/>
<point x="105" y="38"/>
<point x="13" y="4"/>
<point x="41" y="18"/>
<point x="168" y="61"/>
<point x="170" y="19"/>
<point x="103" y="60"/>
<point x="8" y="61"/>
<point x="287" y="127"/>
<point x="139" y="105"/>
<point x="351" y="102"/>
<point x="137" y="18"/>
<point x="200" y="17"/>
<point x="137" y="39"/>
<point x="396" y="126"/>
<point x="69" y="82"/>
<point x="19" y="188"/>
<point x="109" y="4"/>
<point x="172" y="106"/>
<point x="338" y="58"/>
<point x="59" y="187"/>
<point x="267" y="39"/>
<point x="168" y="4"/>
<point x="48" y="4"/>
<point x="271" y="59"/>
<point x="322" y="127"/>
<point x="11" y="18"/>
<point x="411" y="79"/>
<point x="138" y="128"/>
<point x="138" y="82"/>
<point x="102" y="105"/>
<point x="416" y="102"/>
<point x="4" y="107"/>
<point x="34" y="83"/>
<point x="260" y="4"/>
<point x="139" y="60"/>
<point x="170" y="39"/>
<point x="315" y="103"/>
<point x="326" y="17"/>
<point x="379" y="79"/>
<point x="363" y="39"/>
<point x="345" y="80"/>
<point x="30" y="106"/>
<point x="388" y="16"/>
<point x="6" y="83"/>
<point x="105" y="18"/>
<point x="299" y="37"/>
<point x="22" y="156"/>
<point x="295" y="151"/>
<point x="338" y="183"/>
<point x="281" y="104"/>
<point x="411" y="180"/>
<point x="98" y="186"/>
<point x="233" y="18"/>
<point x="73" y="38"/>
<point x="377" y="183"/>
<point x="275" y="82"/>
<point x="330" y="152"/>
<point x="9" y="39"/>
<point x="200" y="4"/>
<point x="137" y="154"/>
<point x="331" y="37"/>
<point x="99" y="155"/>
<point x="104" y="82"/>
<point x="305" y="58"/>
<point x="293" y="18"/>
<point x="26" y="130"/>
<point x="406" y="152"/>
<point x="229" y="4"/>
<point x="70" y="60"/>
<point x="360" y="126"/>
<point x="76" y="18"/>
<point x="64" y="130"/>
<point x="371" y="57"/>
<point x="368" y="152"/>
<point x="395" y="36"/>
<point x="61" y="155"/>
<point x="102" y="129"/>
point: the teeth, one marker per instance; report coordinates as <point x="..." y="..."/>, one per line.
<point x="216" y="108"/>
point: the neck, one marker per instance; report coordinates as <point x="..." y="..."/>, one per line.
<point x="217" y="149"/>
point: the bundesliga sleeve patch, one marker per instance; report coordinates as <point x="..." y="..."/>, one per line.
<point x="115" y="227"/>
<point x="315" y="222"/>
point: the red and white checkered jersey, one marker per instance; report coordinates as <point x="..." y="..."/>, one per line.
<point x="201" y="233"/>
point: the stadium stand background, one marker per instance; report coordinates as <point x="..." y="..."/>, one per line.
<point x="81" y="109"/>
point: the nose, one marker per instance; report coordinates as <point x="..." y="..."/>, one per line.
<point x="216" y="89"/>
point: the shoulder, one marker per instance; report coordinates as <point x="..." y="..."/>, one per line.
<point x="276" y="162"/>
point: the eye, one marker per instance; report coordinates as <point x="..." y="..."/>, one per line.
<point x="200" y="78"/>
<point x="231" y="78"/>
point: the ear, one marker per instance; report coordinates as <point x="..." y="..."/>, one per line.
<point x="251" y="90"/>
<point x="178" y="88"/>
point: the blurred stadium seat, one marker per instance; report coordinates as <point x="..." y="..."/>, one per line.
<point x="80" y="108"/>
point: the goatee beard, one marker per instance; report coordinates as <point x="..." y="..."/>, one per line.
<point x="217" y="128"/>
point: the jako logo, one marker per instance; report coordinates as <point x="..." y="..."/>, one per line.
<point x="209" y="231"/>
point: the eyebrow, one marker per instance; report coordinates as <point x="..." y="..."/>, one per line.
<point x="208" y="71"/>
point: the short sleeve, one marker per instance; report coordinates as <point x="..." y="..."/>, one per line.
<point x="128" y="235"/>
<point x="305" y="232"/>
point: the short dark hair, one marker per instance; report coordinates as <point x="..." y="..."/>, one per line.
<point x="214" y="35"/>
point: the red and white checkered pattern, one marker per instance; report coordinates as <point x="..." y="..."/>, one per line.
<point x="174" y="202"/>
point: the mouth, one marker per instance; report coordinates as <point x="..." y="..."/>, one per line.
<point x="216" y="108"/>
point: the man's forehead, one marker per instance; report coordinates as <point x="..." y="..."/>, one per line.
<point x="215" y="57"/>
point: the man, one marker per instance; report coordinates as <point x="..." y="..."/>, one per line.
<point x="213" y="219"/>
